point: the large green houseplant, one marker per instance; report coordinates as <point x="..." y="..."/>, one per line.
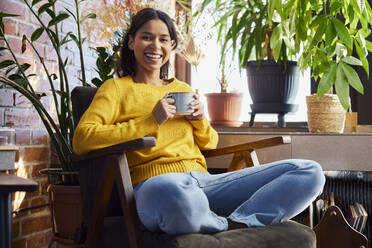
<point x="17" y="75"/>
<point x="60" y="128"/>
<point x="333" y="37"/>
<point x="264" y="47"/>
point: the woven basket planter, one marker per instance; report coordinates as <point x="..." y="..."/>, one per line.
<point x="325" y="114"/>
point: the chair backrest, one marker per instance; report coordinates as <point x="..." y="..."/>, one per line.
<point x="81" y="97"/>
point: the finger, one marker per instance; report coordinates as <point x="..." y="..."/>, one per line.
<point x="166" y="95"/>
<point x="169" y="100"/>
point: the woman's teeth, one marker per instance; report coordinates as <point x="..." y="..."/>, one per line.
<point x="153" y="56"/>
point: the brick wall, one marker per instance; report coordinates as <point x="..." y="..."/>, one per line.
<point x="32" y="228"/>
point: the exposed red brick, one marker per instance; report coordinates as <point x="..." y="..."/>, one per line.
<point x="30" y="195"/>
<point x="35" y="171"/>
<point x="24" y="204"/>
<point x="34" y="154"/>
<point x="36" y="224"/>
<point x="50" y="54"/>
<point x="21" y="101"/>
<point x="23" y="136"/>
<point x="15" y="44"/>
<point x="15" y="229"/>
<point x="20" y="243"/>
<point x="39" y="136"/>
<point x="10" y="26"/>
<point x="37" y="241"/>
<point x="12" y="7"/>
<point x="36" y="202"/>
<point x="6" y="97"/>
<point x="21" y="117"/>
<point x="26" y="29"/>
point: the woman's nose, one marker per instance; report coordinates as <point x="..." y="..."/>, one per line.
<point x="156" y="43"/>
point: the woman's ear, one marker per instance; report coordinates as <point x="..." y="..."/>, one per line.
<point x="130" y="42"/>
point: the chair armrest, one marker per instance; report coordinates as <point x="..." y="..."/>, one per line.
<point x="131" y="145"/>
<point x="279" y="140"/>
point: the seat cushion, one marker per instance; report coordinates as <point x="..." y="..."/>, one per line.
<point x="284" y="235"/>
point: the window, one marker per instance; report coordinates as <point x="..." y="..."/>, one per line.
<point x="205" y="79"/>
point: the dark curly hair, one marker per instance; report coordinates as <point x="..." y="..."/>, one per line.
<point x="127" y="62"/>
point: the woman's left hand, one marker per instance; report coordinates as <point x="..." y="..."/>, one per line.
<point x="198" y="107"/>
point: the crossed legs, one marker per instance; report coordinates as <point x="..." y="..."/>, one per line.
<point x="196" y="202"/>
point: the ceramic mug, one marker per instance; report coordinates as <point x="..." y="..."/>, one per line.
<point x="182" y="102"/>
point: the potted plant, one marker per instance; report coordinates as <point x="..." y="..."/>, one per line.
<point x="224" y="108"/>
<point x="60" y="127"/>
<point x="335" y="42"/>
<point x="264" y="46"/>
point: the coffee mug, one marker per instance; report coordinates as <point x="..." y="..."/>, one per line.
<point x="182" y="102"/>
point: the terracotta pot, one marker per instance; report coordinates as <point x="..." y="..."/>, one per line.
<point x="224" y="108"/>
<point x="325" y="114"/>
<point x="66" y="207"/>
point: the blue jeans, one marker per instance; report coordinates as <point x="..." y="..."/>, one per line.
<point x="196" y="202"/>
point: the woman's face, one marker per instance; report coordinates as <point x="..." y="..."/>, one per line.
<point x="152" y="46"/>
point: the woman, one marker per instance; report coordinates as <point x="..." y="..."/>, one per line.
<point x="174" y="192"/>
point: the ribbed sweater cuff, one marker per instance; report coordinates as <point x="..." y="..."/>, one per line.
<point x="146" y="171"/>
<point x="200" y="124"/>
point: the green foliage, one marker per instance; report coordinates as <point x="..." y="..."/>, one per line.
<point x="325" y="34"/>
<point x="107" y="58"/>
<point x="252" y="30"/>
<point x="336" y="43"/>
<point x="18" y="77"/>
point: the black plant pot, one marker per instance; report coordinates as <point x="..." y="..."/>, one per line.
<point x="270" y="82"/>
<point x="273" y="88"/>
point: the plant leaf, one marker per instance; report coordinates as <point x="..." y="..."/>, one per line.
<point x="24" y="44"/>
<point x="36" y="34"/>
<point x="327" y="80"/>
<point x="352" y="60"/>
<point x="369" y="45"/>
<point x="90" y="15"/>
<point x="362" y="57"/>
<point x="319" y="33"/>
<point x="60" y="17"/>
<point x="342" y="87"/>
<point x="2" y="14"/>
<point x="342" y="32"/>
<point x="353" y="78"/>
<point x="35" y="2"/>
<point x="43" y="8"/>
<point x="330" y="35"/>
<point x="6" y="63"/>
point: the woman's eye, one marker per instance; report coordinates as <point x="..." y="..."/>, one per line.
<point x="146" y="38"/>
<point x="164" y="40"/>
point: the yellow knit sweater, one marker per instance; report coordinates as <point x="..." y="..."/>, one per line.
<point x="122" y="110"/>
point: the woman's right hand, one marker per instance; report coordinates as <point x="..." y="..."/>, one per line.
<point x="164" y="110"/>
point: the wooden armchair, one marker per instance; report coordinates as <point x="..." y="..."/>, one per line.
<point x="109" y="210"/>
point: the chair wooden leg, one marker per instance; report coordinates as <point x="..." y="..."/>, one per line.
<point x="243" y="159"/>
<point x="104" y="190"/>
<point x="250" y="158"/>
<point x="125" y="190"/>
<point x="236" y="162"/>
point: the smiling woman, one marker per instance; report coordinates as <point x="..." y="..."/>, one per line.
<point x="151" y="45"/>
<point x="151" y="36"/>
